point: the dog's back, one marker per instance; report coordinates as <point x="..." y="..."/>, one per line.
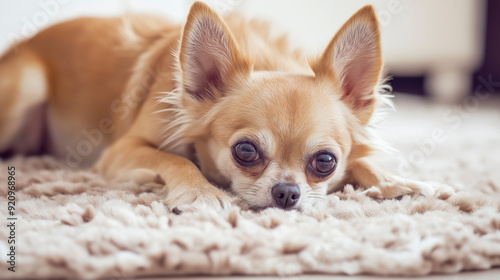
<point x="269" y="53"/>
<point x="59" y="86"/>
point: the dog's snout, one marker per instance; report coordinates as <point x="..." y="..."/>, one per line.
<point x="286" y="195"/>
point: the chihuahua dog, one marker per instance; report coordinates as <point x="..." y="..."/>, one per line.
<point x="212" y="110"/>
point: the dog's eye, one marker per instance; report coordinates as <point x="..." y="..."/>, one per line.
<point x="245" y="153"/>
<point x="323" y="164"/>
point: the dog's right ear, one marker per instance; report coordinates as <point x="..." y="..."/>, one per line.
<point x="209" y="57"/>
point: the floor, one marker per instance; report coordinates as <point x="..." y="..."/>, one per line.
<point x="476" y="275"/>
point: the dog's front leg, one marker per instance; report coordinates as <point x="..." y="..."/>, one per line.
<point x="134" y="159"/>
<point x="378" y="183"/>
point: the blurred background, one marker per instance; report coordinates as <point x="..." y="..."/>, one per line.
<point x="439" y="49"/>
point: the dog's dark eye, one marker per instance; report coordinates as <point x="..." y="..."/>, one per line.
<point x="245" y="153"/>
<point x="323" y="163"/>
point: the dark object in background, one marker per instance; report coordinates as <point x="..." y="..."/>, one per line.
<point x="491" y="61"/>
<point x="413" y="85"/>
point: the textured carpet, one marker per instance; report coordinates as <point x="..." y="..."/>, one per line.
<point x="74" y="224"/>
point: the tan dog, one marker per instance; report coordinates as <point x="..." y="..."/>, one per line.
<point x="228" y="107"/>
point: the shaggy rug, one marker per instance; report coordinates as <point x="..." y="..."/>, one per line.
<point x="71" y="223"/>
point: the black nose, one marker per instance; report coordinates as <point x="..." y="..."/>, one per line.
<point x="286" y="195"/>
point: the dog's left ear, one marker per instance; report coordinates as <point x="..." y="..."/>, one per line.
<point x="354" y="59"/>
<point x="209" y="57"/>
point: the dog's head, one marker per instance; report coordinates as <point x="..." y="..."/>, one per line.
<point x="277" y="139"/>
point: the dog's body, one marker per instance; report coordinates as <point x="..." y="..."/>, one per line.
<point x="256" y="118"/>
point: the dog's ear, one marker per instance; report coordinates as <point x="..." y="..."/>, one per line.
<point x="209" y="57"/>
<point x="354" y="59"/>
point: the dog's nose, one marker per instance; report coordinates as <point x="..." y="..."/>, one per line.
<point x="286" y="195"/>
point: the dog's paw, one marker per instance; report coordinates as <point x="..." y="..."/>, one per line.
<point x="147" y="179"/>
<point x="398" y="187"/>
<point x="190" y="199"/>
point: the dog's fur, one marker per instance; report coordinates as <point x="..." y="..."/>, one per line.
<point x="170" y="114"/>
